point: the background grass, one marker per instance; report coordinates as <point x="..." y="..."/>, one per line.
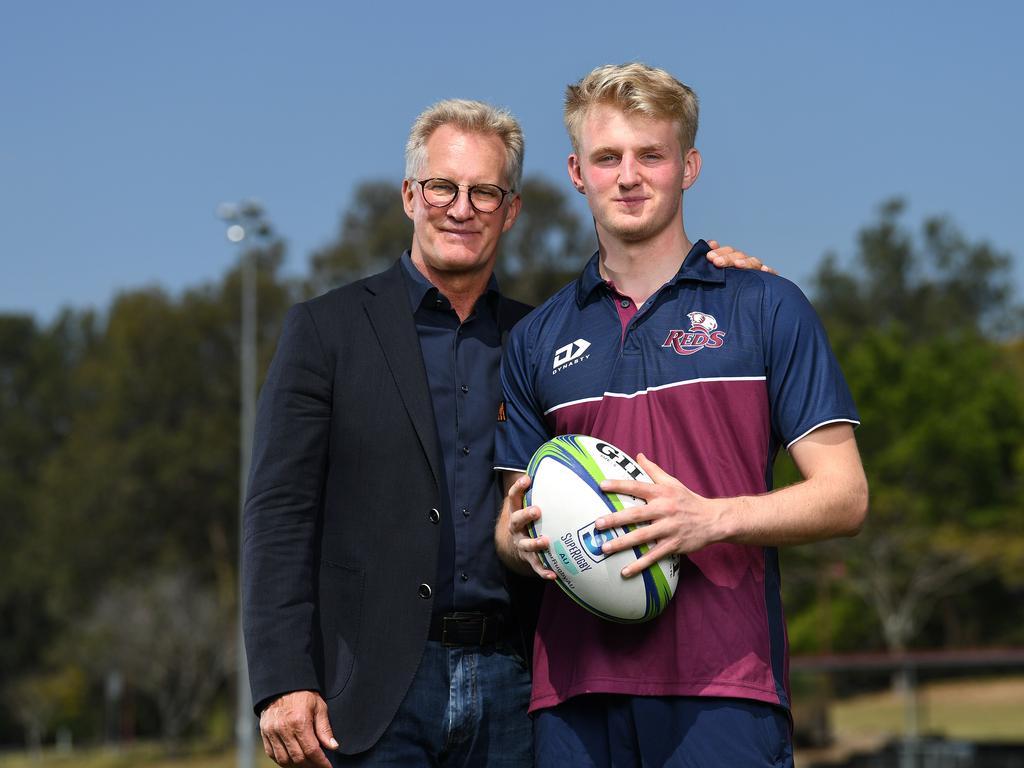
<point x="984" y="709"/>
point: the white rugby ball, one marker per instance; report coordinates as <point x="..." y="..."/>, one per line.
<point x="566" y="472"/>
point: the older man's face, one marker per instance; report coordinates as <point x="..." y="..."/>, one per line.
<point x="458" y="239"/>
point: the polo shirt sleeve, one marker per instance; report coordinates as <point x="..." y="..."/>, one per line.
<point x="806" y="387"/>
<point x="524" y="427"/>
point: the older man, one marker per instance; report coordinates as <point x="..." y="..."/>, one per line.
<point x="378" y="619"/>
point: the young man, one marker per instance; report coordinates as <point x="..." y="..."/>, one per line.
<point x="702" y="375"/>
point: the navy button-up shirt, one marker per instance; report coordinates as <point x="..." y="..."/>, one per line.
<point x="463" y="362"/>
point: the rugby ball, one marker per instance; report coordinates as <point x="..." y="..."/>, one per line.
<point x="565" y="475"/>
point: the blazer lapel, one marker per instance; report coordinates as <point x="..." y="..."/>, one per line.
<point x="387" y="306"/>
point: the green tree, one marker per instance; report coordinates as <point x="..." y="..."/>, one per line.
<point x="120" y="452"/>
<point x="918" y="325"/>
<point x="147" y="473"/>
<point x="36" y="403"/>
<point x="168" y="636"/>
<point x="374" y="231"/>
<point x="546" y="247"/>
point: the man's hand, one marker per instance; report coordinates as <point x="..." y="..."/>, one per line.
<point x="294" y="728"/>
<point x="519" y="543"/>
<point x="831" y="501"/>
<point x="680" y="520"/>
<point x="725" y="256"/>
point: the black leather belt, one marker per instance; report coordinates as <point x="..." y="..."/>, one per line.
<point x="467" y="628"/>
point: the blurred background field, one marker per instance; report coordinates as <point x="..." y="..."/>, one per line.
<point x="981" y="709"/>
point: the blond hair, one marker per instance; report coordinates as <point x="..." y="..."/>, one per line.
<point x="636" y="89"/>
<point x="470" y="116"/>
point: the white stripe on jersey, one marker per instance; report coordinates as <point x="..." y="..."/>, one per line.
<point x="653" y="389"/>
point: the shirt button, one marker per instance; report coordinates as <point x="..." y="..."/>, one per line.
<point x="624" y="303"/>
<point x="425" y="591"/>
<point x="465" y="450"/>
<point x="434" y="516"/>
<point x="465" y="512"/>
<point x="464" y="388"/>
<point x="464" y="576"/>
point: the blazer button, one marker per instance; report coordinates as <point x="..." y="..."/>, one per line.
<point x="425" y="591"/>
<point x="434" y="516"/>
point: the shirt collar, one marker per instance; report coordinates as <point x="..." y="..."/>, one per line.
<point x="424" y="293"/>
<point x="694" y="267"/>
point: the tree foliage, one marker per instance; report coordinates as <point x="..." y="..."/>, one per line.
<point x="547" y="246"/>
<point x="374" y="231"/>
<point x="919" y="325"/>
<point x="169" y="637"/>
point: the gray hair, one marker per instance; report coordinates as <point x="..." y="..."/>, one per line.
<point x="471" y="116"/>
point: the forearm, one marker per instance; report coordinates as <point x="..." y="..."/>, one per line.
<point x="831" y="504"/>
<point x="831" y="501"/>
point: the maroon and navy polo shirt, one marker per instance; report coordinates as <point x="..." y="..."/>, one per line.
<point x="709" y="378"/>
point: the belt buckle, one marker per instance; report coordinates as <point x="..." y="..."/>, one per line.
<point x="457" y="618"/>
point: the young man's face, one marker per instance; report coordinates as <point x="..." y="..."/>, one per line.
<point x="457" y="239"/>
<point x="632" y="170"/>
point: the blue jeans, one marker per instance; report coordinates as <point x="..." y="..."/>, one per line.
<point x="466" y="707"/>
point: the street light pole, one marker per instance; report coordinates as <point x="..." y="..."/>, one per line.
<point x="246" y="222"/>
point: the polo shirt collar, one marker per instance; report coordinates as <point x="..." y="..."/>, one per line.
<point x="694" y="267"/>
<point x="422" y="290"/>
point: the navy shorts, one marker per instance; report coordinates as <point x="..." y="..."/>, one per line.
<point x="614" y="731"/>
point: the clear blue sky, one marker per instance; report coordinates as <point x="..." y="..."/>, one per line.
<point x="124" y="123"/>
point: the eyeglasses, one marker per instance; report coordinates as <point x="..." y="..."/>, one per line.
<point x="440" y="193"/>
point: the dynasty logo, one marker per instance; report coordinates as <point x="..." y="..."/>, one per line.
<point x="572" y="353"/>
<point x="703" y="332"/>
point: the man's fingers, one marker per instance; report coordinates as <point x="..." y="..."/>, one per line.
<point x="642" y="534"/>
<point x="540" y="570"/>
<point x="727" y="256"/>
<point x="662" y="550"/>
<point x="530" y="549"/>
<point x="312" y="755"/>
<point x="267" y="749"/>
<point x="277" y="751"/>
<point x="292" y="749"/>
<point x="629" y="516"/>
<point x="526" y="544"/>
<point x="656" y="473"/>
<point x="644" y="491"/>
<point x="519" y="521"/>
<point x="517" y="490"/>
<point x="322" y="727"/>
<point x="741" y="259"/>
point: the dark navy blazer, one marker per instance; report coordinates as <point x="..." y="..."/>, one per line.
<point x="341" y="534"/>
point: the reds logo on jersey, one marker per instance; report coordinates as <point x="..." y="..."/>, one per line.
<point x="703" y="332"/>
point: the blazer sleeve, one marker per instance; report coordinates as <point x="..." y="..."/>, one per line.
<point x="280" y="520"/>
